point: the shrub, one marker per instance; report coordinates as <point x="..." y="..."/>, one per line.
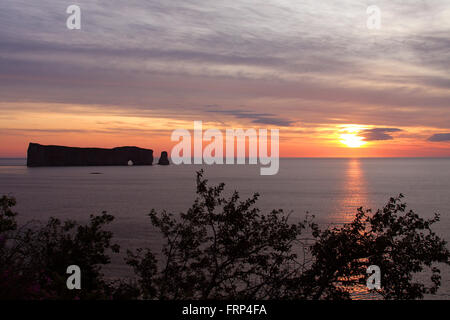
<point x="34" y="259"/>
<point x="397" y="240"/>
<point x="227" y="249"/>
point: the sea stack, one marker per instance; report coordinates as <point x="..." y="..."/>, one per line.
<point x="59" y="156"/>
<point x="163" y="160"/>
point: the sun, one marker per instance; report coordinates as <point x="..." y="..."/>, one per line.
<point x="351" y="140"/>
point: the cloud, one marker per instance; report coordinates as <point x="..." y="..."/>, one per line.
<point x="438" y="137"/>
<point x="259" y="118"/>
<point x="169" y="57"/>
<point x="378" y="134"/>
<point x="274" y="121"/>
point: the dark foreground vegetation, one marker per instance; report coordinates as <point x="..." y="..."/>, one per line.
<point x="225" y="248"/>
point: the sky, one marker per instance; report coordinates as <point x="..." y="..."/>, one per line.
<point x="137" y="70"/>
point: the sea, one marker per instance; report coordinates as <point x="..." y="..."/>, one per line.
<point x="330" y="189"/>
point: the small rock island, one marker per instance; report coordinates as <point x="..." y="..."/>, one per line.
<point x="59" y="156"/>
<point x="164" y="159"/>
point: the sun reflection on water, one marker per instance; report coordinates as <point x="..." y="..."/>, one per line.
<point x="353" y="191"/>
<point x="354" y="195"/>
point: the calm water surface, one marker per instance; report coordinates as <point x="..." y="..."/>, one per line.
<point x="331" y="189"/>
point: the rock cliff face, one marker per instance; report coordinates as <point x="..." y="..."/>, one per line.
<point x="163" y="160"/>
<point x="51" y="156"/>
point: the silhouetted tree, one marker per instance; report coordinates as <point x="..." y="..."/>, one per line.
<point x="235" y="252"/>
<point x="397" y="240"/>
<point x="227" y="249"/>
<point x="34" y="259"/>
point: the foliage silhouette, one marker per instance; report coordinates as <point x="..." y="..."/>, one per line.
<point x="34" y="259"/>
<point x="398" y="241"/>
<point x="225" y="248"/>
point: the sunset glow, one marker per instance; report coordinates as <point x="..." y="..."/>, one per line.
<point x="334" y="89"/>
<point x="351" y="140"/>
